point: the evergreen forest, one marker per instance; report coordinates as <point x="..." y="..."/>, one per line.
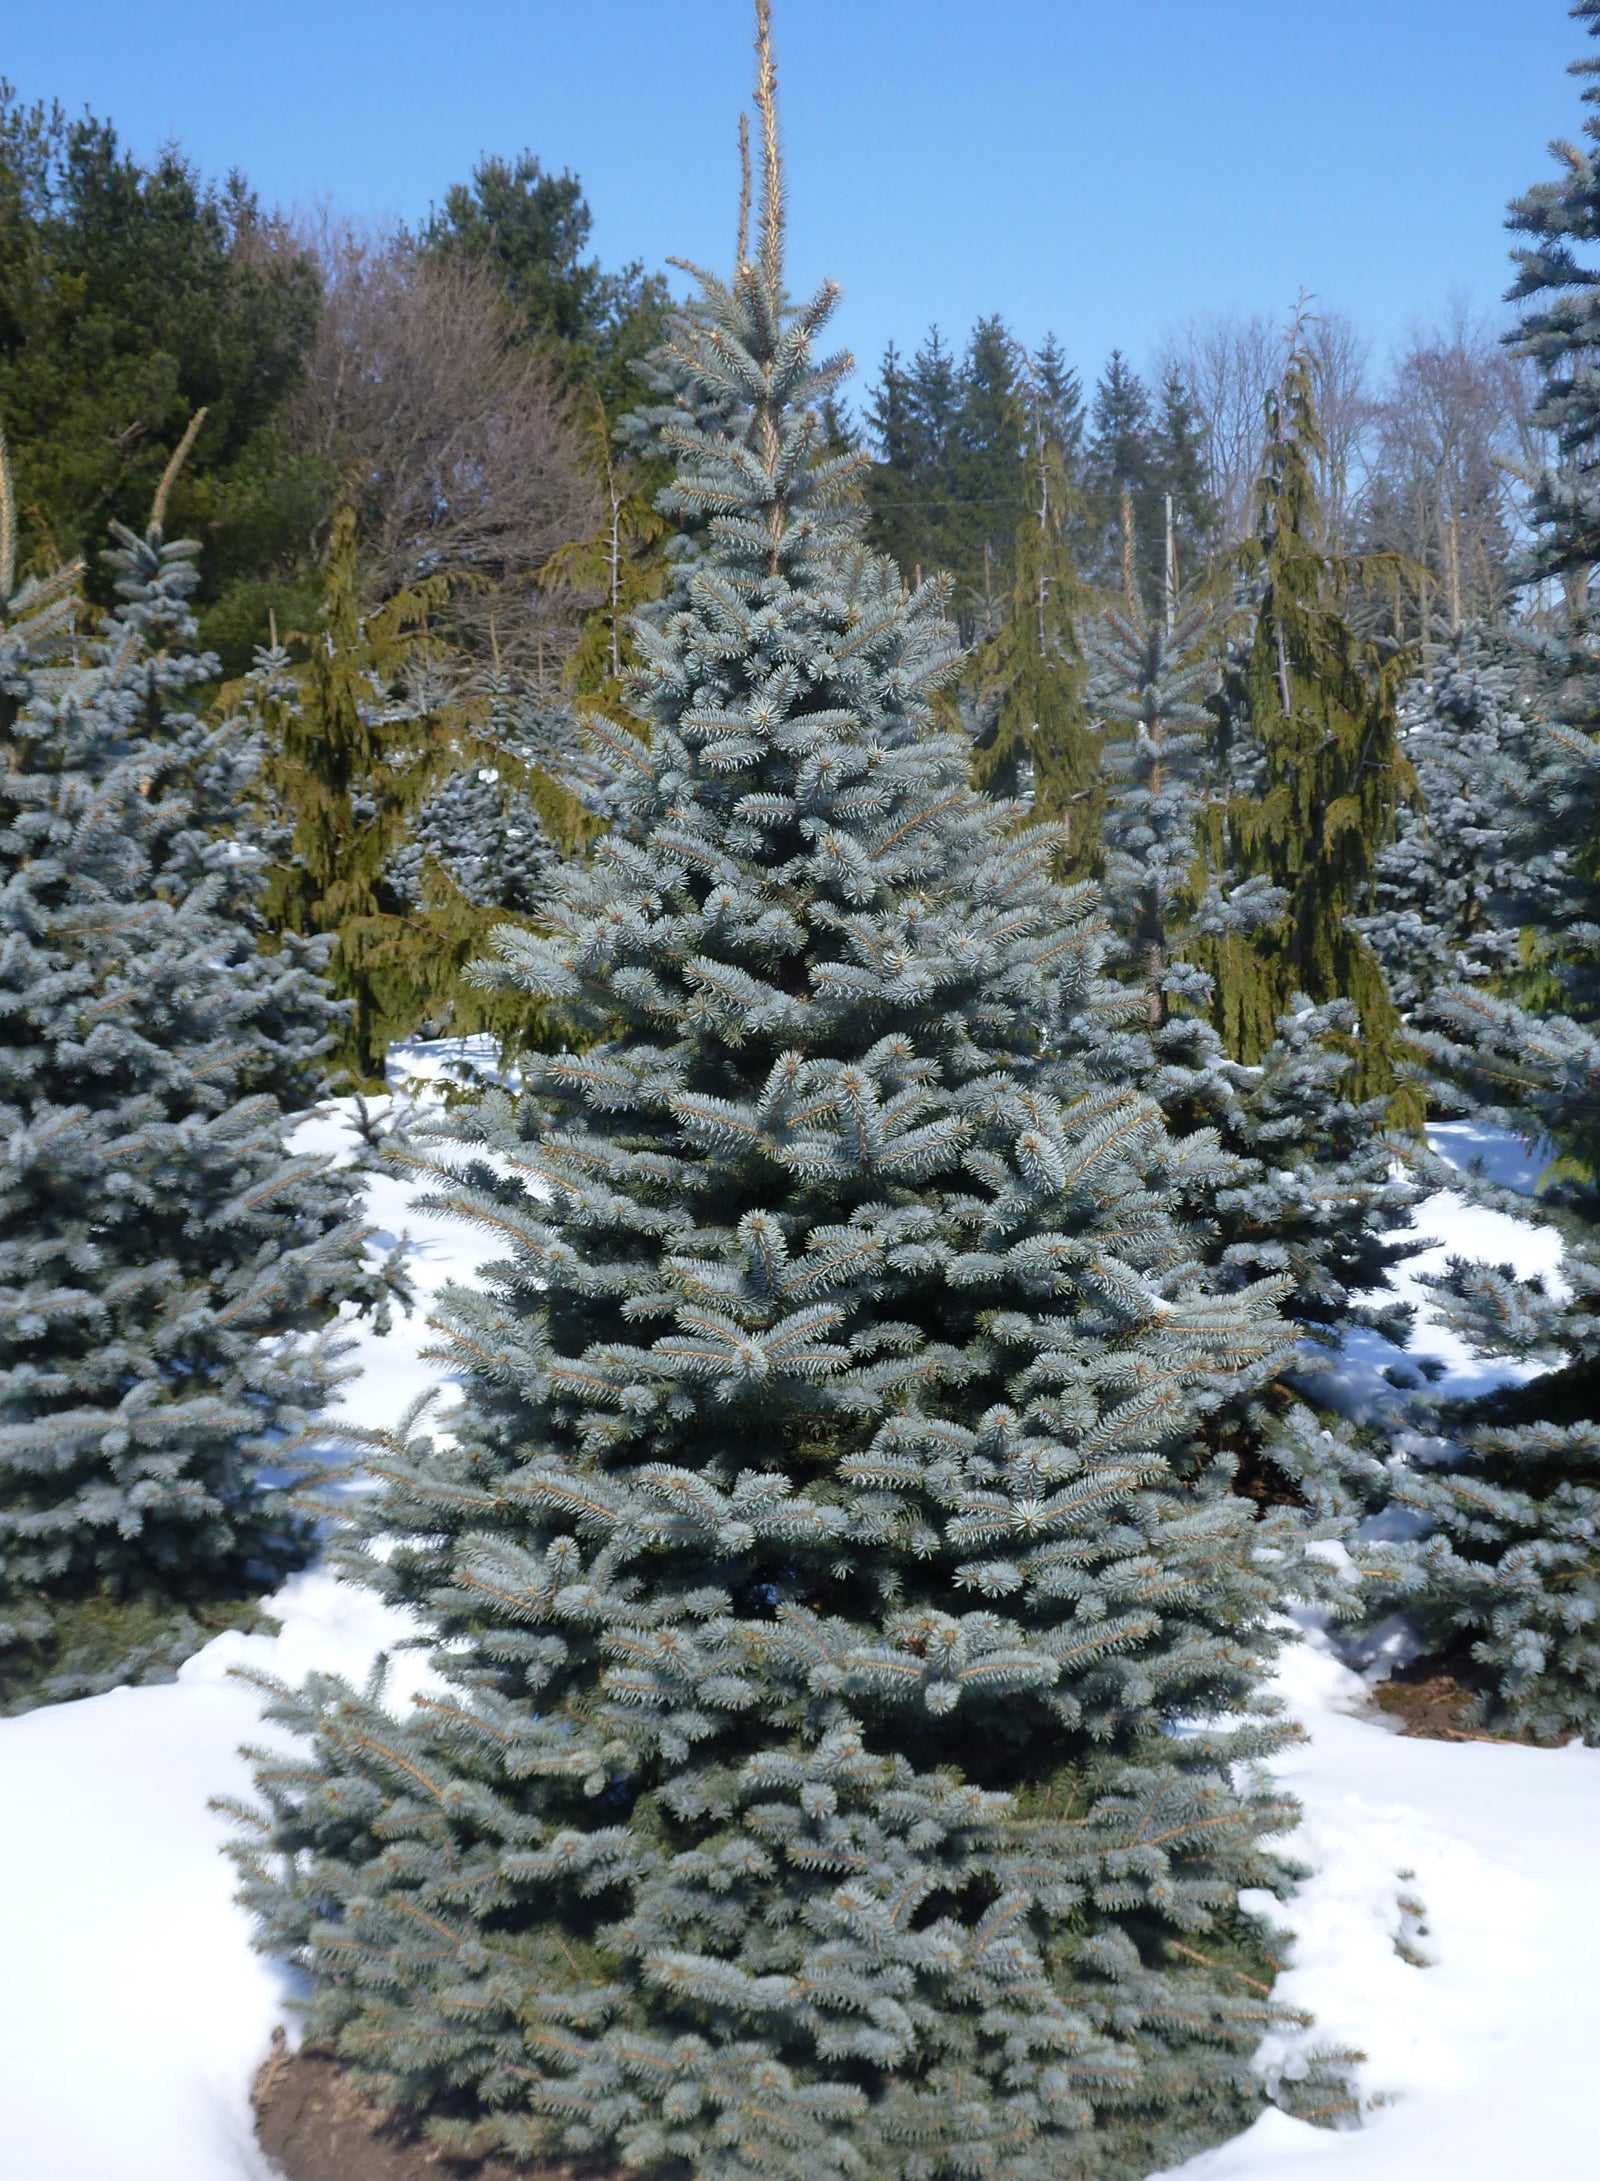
<point x="953" y="905"/>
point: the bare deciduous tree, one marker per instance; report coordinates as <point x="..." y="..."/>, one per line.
<point x="1451" y="431"/>
<point x="1346" y="411"/>
<point x="1230" y="363"/>
<point x="462" y="452"/>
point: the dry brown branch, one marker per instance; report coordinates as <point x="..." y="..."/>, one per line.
<point x="180" y="455"/>
<point x="741" y="255"/>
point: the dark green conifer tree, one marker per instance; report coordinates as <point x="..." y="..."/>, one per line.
<point x="1128" y="554"/>
<point x="166" y="1260"/>
<point x="912" y="490"/>
<point x="1056" y="388"/>
<point x="809" y="1568"/>
<point x="996" y="484"/>
<point x="132" y="295"/>
<point x="532" y="228"/>
<point x="1190" y="522"/>
<point x="956" y="474"/>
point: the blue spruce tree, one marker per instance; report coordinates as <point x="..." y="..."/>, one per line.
<point x="1505" y="1581"/>
<point x="1473" y="866"/>
<point x="166" y="1261"/>
<point x="496" y="829"/>
<point x="811" y="1583"/>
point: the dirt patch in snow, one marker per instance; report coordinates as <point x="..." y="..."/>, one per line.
<point x="1435" y="1707"/>
<point x="314" y="2124"/>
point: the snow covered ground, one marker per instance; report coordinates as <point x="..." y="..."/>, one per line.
<point x="1480" y="1860"/>
<point x="133" y="2013"/>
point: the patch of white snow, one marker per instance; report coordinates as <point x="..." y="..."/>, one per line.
<point x="133" y="2011"/>
<point x="1477" y="2066"/>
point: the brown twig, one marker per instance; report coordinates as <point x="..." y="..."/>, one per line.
<point x="180" y="455"/>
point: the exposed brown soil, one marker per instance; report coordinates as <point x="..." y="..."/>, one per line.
<point x="314" y="2124"/>
<point x="1432" y="1708"/>
<point x="1437" y="1708"/>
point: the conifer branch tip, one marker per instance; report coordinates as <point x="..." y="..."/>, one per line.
<point x="771" y="160"/>
<point x="741" y="255"/>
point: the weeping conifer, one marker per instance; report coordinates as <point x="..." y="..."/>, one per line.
<point x="623" y="566"/>
<point x="1038" y="745"/>
<point x="1309" y="713"/>
<point x="361" y="742"/>
<point x="811" y="1584"/>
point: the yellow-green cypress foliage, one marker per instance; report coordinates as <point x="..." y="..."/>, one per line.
<point x="1310" y="715"/>
<point x="622" y="567"/>
<point x="357" y="742"/>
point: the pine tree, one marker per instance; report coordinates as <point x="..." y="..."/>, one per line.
<point x="167" y="1259"/>
<point x="132" y="295"/>
<point x="1505" y="1581"/>
<point x="1559" y="331"/>
<point x="1128" y="551"/>
<point x="808" y="1564"/>
<point x="1151" y="677"/>
<point x="1467" y="879"/>
<point x="956" y="476"/>
<point x="1055" y="386"/>
<point x="912" y="490"/>
<point x="1190" y="520"/>
<point x="994" y="474"/>
<point x="1313" y="733"/>
<point x="496" y="833"/>
<point x="531" y="229"/>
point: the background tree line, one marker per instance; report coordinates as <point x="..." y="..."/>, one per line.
<point x="459" y="382"/>
<point x="1423" y="457"/>
<point x="443" y="381"/>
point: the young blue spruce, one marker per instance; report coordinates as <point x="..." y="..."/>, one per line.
<point x="166" y="1260"/>
<point x="811" y="1593"/>
<point x="488" y="829"/>
<point x="1475" y="864"/>
<point x="1504" y="1581"/>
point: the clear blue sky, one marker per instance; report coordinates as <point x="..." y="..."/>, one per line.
<point x="1101" y="169"/>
